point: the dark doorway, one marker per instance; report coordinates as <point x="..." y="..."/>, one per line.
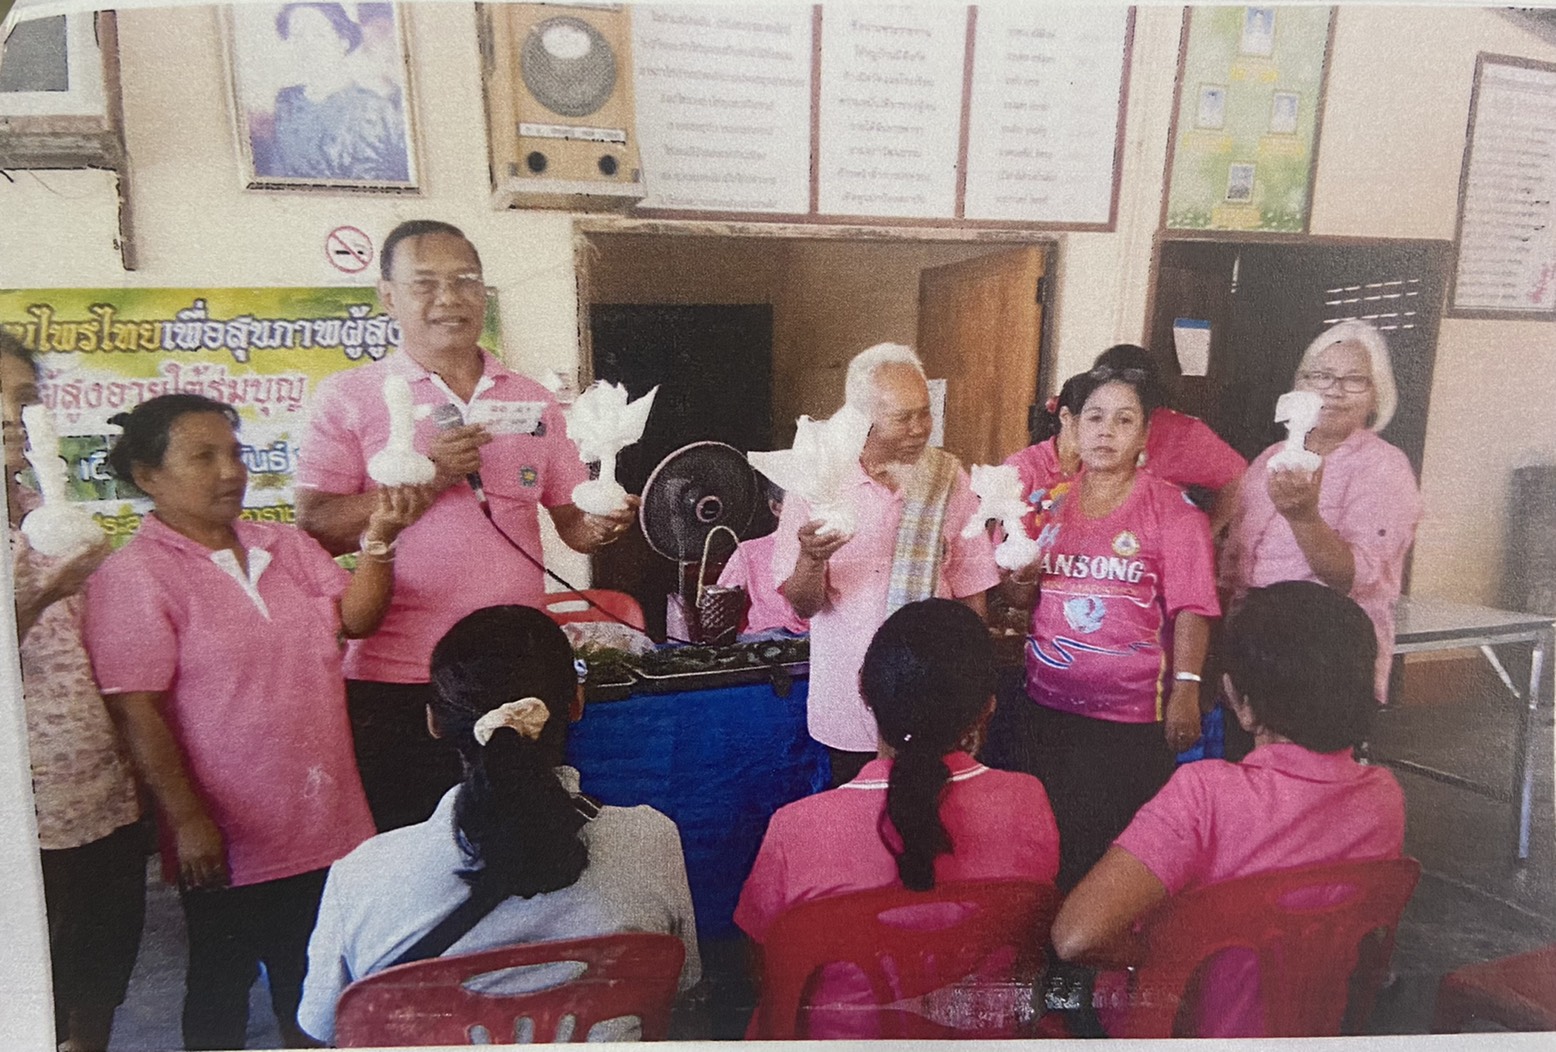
<point x="1266" y="301"/>
<point x="713" y="365"/>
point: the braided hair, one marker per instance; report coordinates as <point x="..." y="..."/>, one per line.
<point x="516" y="821"/>
<point x="928" y="676"/>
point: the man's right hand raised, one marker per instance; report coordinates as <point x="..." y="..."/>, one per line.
<point x="456" y="453"/>
<point x="817" y="546"/>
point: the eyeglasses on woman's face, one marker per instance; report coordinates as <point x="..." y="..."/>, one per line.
<point x="1323" y="380"/>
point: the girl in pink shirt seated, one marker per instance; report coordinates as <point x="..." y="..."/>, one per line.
<point x="925" y="811"/>
<point x="1298" y="678"/>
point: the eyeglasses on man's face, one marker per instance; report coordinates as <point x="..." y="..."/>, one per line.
<point x="463" y="286"/>
<point x="1323" y="380"/>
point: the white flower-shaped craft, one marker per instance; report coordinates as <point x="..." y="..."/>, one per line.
<point x="1298" y="410"/>
<point x="56" y="528"/>
<point x="998" y="488"/>
<point x="818" y="466"/>
<point x="601" y="424"/>
<point x="398" y="463"/>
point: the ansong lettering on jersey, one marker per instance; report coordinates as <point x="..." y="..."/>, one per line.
<point x="1096" y="567"/>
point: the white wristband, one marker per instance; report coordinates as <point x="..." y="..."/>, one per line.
<point x="1186" y="677"/>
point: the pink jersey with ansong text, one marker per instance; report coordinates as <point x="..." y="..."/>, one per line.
<point x="1101" y="639"/>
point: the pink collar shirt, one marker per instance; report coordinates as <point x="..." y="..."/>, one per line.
<point x="249" y="670"/>
<point x="1283" y="806"/>
<point x="1001" y="828"/>
<point x="751" y="568"/>
<point x="857" y="580"/>
<point x="454" y="560"/>
<point x="1369" y="497"/>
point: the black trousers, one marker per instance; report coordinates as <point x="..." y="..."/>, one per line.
<point x="95" y="896"/>
<point x="405" y="770"/>
<point x="231" y="932"/>
<point x="1098" y="773"/>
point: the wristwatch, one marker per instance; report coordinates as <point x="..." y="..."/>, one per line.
<point x="375" y="549"/>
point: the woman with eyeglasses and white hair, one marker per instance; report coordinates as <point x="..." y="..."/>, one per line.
<point x="1349" y="524"/>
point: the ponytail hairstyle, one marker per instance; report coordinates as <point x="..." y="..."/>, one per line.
<point x="1045" y="424"/>
<point x="515" y="820"/>
<point x="928" y="676"/>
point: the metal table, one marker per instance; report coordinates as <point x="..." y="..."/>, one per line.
<point x="1436" y="624"/>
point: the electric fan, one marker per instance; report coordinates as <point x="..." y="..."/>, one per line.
<point x="693" y="492"/>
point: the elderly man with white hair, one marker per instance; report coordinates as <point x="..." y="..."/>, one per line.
<point x="911" y="502"/>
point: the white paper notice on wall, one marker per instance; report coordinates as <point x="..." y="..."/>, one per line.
<point x="1191" y="339"/>
<point x="937" y="389"/>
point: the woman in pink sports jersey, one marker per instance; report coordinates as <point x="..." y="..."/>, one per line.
<point x="1299" y="659"/>
<point x="1125" y="587"/>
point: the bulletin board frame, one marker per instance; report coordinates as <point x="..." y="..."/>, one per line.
<point x="1470" y="188"/>
<point x="814" y="216"/>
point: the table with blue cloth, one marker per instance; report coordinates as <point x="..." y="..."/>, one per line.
<point x="717" y="761"/>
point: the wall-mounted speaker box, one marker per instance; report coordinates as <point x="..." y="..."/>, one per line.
<point x="559" y="106"/>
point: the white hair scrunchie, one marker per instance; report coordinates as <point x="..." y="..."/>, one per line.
<point x="528" y="716"/>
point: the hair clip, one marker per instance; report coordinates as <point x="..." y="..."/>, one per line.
<point x="1052" y="405"/>
<point x="907" y="737"/>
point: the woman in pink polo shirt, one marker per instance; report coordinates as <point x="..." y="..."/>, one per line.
<point x="1350" y="524"/>
<point x="216" y="643"/>
<point x="1299" y="660"/>
<point x="925" y="810"/>
<point x="1125" y="589"/>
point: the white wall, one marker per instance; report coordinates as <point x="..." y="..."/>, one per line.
<point x="1393" y="140"/>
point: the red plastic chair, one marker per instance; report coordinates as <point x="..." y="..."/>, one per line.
<point x="594" y="604"/>
<point x="963" y="967"/>
<point x="428" y="1002"/>
<point x="1516" y="992"/>
<point x="1322" y="935"/>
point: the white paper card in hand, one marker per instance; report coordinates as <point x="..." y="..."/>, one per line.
<point x="505" y="418"/>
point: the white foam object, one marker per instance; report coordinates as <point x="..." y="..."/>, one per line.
<point x="398" y="463"/>
<point x="601" y="423"/>
<point x="998" y="489"/>
<point x="56" y="528"/>
<point x="817" y="466"/>
<point x="1298" y="410"/>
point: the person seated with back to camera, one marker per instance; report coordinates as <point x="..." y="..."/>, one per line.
<point x="515" y="831"/>
<point x="1299" y="673"/>
<point x="923" y="812"/>
<point x="768" y="615"/>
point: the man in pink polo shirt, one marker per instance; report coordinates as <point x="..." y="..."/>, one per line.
<point x="847" y="586"/>
<point x="479" y="543"/>
<point x="1299" y="661"/>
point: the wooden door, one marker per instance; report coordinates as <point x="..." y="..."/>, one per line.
<point x="979" y="329"/>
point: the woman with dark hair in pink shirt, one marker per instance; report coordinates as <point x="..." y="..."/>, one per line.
<point x="1299" y="662"/>
<point x="924" y="811"/>
<point x="216" y="643"/>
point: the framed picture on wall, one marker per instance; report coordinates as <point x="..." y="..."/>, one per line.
<point x="1246" y="121"/>
<point x="321" y="96"/>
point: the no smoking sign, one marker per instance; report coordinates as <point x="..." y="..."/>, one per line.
<point x="348" y="249"/>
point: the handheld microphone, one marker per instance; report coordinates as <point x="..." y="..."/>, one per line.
<point x="448" y="416"/>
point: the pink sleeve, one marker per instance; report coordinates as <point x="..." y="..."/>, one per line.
<point x="327" y="576"/>
<point x="1170" y="835"/>
<point x="563" y="468"/>
<point x="1378" y="521"/>
<point x="786" y="545"/>
<point x="764" y="895"/>
<point x="128" y="630"/>
<point x="331" y="458"/>
<point x="1190" y="453"/>
<point x="1038" y="816"/>
<point x="1188" y="559"/>
<point x="969" y="566"/>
